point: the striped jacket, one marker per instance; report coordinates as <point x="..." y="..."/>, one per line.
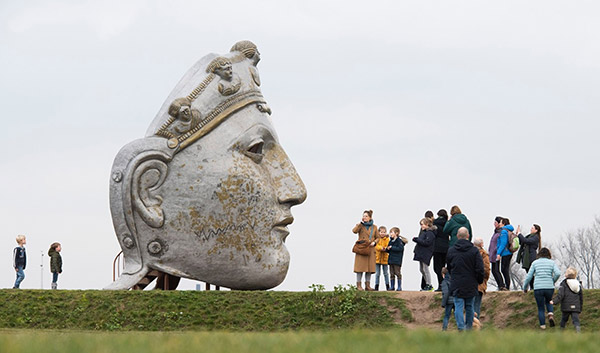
<point x="546" y="273"/>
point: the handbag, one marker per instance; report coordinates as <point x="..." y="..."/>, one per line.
<point x="363" y="247"/>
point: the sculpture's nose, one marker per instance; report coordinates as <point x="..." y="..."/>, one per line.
<point x="289" y="186"/>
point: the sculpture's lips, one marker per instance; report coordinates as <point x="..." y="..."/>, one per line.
<point x="281" y="227"/>
<point x="284" y="222"/>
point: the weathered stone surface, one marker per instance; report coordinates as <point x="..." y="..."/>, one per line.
<point x="207" y="193"/>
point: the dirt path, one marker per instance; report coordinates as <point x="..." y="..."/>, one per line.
<point x="425" y="308"/>
<point x="428" y="313"/>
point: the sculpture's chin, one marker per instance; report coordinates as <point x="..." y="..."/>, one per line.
<point x="258" y="274"/>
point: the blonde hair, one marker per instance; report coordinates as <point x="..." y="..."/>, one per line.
<point x="20" y="238"/>
<point x="571" y="273"/>
<point x="427" y="222"/>
<point x="395" y="230"/>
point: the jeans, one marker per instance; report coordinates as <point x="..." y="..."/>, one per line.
<point x="505" y="269"/>
<point x="543" y="298"/>
<point x="424" y="268"/>
<point x="20" y="276"/>
<point x="54" y="277"/>
<point x="386" y="276"/>
<point x="477" y="304"/>
<point x="447" y="313"/>
<point x="465" y="304"/>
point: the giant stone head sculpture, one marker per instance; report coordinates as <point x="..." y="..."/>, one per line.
<point x="207" y="193"/>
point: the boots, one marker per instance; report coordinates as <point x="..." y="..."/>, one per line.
<point x="392" y="284"/>
<point x="368" y="286"/>
<point x="387" y="286"/>
<point x="377" y="287"/>
<point x="399" y="285"/>
<point x="359" y="286"/>
<point x="54" y="285"/>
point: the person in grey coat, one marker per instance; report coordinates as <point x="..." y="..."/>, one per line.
<point x="570" y="298"/>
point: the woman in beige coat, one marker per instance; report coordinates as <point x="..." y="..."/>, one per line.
<point x="366" y="230"/>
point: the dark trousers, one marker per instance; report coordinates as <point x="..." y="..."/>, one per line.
<point x="565" y="318"/>
<point x="505" y="269"/>
<point x="497" y="275"/>
<point x="439" y="261"/>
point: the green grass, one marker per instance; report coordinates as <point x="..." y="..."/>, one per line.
<point x="347" y="341"/>
<point x="191" y="310"/>
<point x="341" y="309"/>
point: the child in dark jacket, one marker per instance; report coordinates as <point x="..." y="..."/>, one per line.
<point x="55" y="263"/>
<point x="447" y="298"/>
<point x="570" y="298"/>
<point x="396" y="250"/>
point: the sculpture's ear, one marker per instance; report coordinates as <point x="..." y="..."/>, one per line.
<point x="147" y="179"/>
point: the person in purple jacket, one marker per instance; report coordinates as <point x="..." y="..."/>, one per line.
<point x="493" y="254"/>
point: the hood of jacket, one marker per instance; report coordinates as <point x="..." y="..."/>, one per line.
<point x="509" y="227"/>
<point x="51" y="252"/>
<point x="574" y="285"/>
<point x="460" y="219"/>
<point x="463" y="245"/>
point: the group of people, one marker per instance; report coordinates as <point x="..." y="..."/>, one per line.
<point x="20" y="261"/>
<point x="463" y="266"/>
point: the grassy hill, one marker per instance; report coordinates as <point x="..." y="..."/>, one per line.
<point x="343" y="308"/>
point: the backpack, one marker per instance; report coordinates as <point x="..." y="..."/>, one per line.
<point x="513" y="242"/>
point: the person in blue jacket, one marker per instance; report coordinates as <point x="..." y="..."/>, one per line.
<point x="503" y="253"/>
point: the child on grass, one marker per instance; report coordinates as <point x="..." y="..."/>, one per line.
<point x="20" y="260"/>
<point x="570" y="298"/>
<point x="55" y="263"/>
<point x="395" y="249"/>
<point x="381" y="258"/>
<point x="447" y="298"/>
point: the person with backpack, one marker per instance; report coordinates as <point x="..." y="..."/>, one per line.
<point x="493" y="252"/>
<point x="503" y="252"/>
<point x="546" y="273"/>
<point x="529" y="245"/>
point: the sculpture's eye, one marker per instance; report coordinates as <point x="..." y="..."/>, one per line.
<point x="255" y="151"/>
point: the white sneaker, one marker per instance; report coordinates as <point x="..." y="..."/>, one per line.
<point x="543" y="327"/>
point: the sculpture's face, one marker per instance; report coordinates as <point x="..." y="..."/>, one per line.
<point x="225" y="72"/>
<point x="227" y="201"/>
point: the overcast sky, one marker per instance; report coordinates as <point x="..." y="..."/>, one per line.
<point x="393" y="106"/>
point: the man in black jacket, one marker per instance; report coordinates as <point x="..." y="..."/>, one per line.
<point x="466" y="268"/>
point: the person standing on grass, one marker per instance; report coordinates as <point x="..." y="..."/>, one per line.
<point x="447" y="298"/>
<point x="570" y="299"/>
<point x="440" y="248"/>
<point x="424" y="250"/>
<point x="55" y="263"/>
<point x="396" y="251"/>
<point x="366" y="231"/>
<point x="20" y="260"/>
<point x="478" y="242"/>
<point x="529" y="245"/>
<point x="457" y="220"/>
<point x="546" y="273"/>
<point x="503" y="254"/>
<point x="466" y="269"/>
<point x="493" y="252"/>
<point x="381" y="258"/>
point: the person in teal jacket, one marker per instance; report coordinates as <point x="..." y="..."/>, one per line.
<point x="546" y="273"/>
<point x="503" y="254"/>
<point x="456" y="221"/>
